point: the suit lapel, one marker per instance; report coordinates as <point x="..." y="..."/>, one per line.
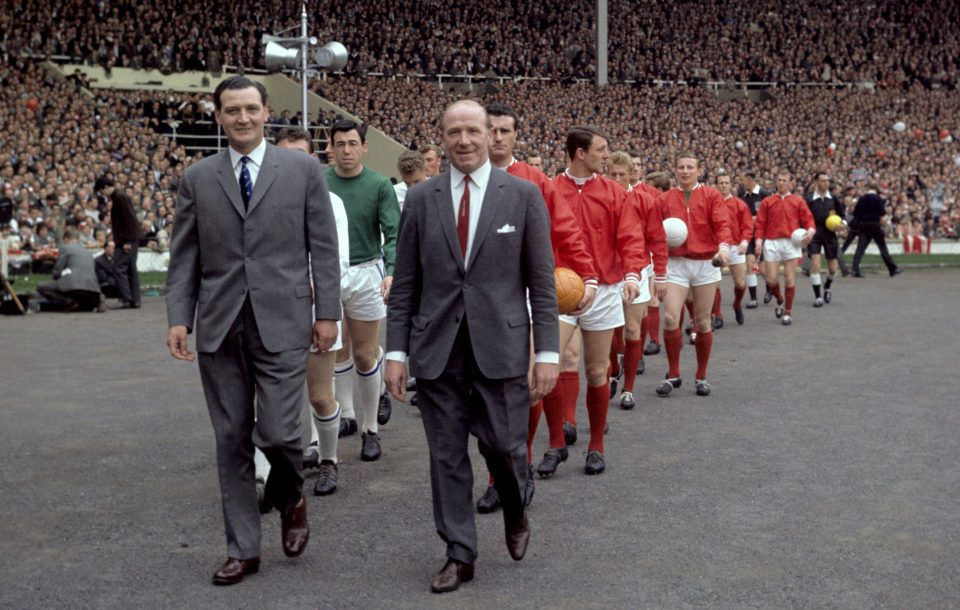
<point x="443" y="199"/>
<point x="491" y="204"/>
<point x="266" y="176"/>
<point x="228" y="181"/>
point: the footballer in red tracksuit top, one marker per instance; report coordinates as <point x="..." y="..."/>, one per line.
<point x="613" y="233"/>
<point x="779" y="216"/>
<point x="649" y="214"/>
<point x="690" y="267"/>
<point x="741" y="227"/>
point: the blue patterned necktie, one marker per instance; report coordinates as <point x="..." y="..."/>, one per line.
<point x="246" y="184"/>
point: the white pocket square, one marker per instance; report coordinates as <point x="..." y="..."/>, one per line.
<point x="507" y="229"/>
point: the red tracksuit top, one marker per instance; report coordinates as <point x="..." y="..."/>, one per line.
<point x="610" y="228"/>
<point x="708" y="224"/>
<point x="653" y="233"/>
<point x="569" y="250"/>
<point x="780" y="215"/>
<point x="741" y="220"/>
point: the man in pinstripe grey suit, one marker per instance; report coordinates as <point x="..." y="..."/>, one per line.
<point x="247" y="219"/>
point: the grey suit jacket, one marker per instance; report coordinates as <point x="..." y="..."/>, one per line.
<point x="433" y="290"/>
<point x="74" y="269"/>
<point x="220" y="254"/>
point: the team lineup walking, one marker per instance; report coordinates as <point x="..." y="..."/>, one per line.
<point x="466" y="278"/>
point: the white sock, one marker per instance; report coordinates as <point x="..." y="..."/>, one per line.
<point x="343" y="387"/>
<point x="261" y="465"/>
<point x="329" y="429"/>
<point x="752" y="280"/>
<point x="368" y="394"/>
<point x="814" y="279"/>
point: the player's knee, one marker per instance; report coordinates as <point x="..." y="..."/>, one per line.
<point x="631" y="330"/>
<point x="323" y="404"/>
<point x="670" y="320"/>
<point x="596" y="373"/>
<point x="704" y="326"/>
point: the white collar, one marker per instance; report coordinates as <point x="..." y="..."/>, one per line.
<point x="695" y="187"/>
<point x="256" y="155"/>
<point x="479" y="176"/>
<point x="578" y="181"/>
<point x="826" y="195"/>
<point x="755" y="190"/>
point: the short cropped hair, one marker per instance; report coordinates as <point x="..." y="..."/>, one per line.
<point x="498" y="109"/>
<point x="410" y="162"/>
<point x="345" y="126"/>
<point x="294" y="133"/>
<point x="235" y="83"/>
<point x="580" y="136"/>
<point x="620" y="158"/>
<point x="658" y="180"/>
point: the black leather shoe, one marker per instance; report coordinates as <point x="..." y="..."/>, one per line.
<point x="528" y="488"/>
<point x="348" y="427"/>
<point x="384" y="410"/>
<point x="895" y="271"/>
<point x="370" y="449"/>
<point x="767" y="297"/>
<point x="641" y="367"/>
<point x="294" y="529"/>
<point x="703" y="388"/>
<point x="738" y="314"/>
<point x="827" y="295"/>
<point x="857" y="274"/>
<point x="233" y="570"/>
<point x="752" y="305"/>
<point x="667" y="386"/>
<point x="717" y="323"/>
<point x="451" y="575"/>
<point x="551" y="459"/>
<point x="569" y="433"/>
<point x="651" y="349"/>
<point x="626" y="401"/>
<point x="613" y="387"/>
<point x="489" y="502"/>
<point x="311" y="456"/>
<point x="518" y="537"/>
<point x="595" y="463"/>
<point x="327" y="479"/>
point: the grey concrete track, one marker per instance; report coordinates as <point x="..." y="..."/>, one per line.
<point x="821" y="473"/>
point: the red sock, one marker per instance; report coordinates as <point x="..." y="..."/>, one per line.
<point x="534" y="420"/>
<point x="616" y="348"/>
<point x="643" y="331"/>
<point x="738" y="297"/>
<point x="775" y="291"/>
<point x="703" y="346"/>
<point x="673" y="339"/>
<point x="553" y="410"/>
<point x="571" y="391"/>
<point x="653" y="323"/>
<point x="598" y="401"/>
<point x="716" y="306"/>
<point x="791" y="292"/>
<point x="631" y="358"/>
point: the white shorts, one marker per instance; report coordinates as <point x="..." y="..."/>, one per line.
<point x="337" y="345"/>
<point x="780" y="250"/>
<point x="644" y="295"/>
<point x="605" y="313"/>
<point x="360" y="292"/>
<point x="736" y="258"/>
<point x="688" y="272"/>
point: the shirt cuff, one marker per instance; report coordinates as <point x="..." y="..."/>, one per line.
<point x="725" y="248"/>
<point x="548" y="358"/>
<point x="396" y="356"/>
<point x="590" y="282"/>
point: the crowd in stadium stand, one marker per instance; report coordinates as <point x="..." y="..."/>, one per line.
<point x="888" y="42"/>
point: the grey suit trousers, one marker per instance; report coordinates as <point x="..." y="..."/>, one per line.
<point x="459" y="402"/>
<point x="240" y="370"/>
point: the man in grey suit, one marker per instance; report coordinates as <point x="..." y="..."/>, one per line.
<point x="75" y="282"/>
<point x="247" y="220"/>
<point x="474" y="242"/>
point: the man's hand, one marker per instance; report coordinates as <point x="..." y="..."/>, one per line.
<point x="544" y="378"/>
<point x="396" y="379"/>
<point x="589" y="294"/>
<point x="660" y="288"/>
<point x="758" y="247"/>
<point x="177" y="343"/>
<point x="742" y="248"/>
<point x="808" y="236"/>
<point x="385" y="286"/>
<point x="723" y="255"/>
<point x="324" y="334"/>
<point x="631" y="290"/>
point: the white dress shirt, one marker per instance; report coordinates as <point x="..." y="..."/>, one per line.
<point x="253" y="165"/>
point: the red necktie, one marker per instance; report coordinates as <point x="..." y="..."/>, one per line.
<point x="463" y="217"/>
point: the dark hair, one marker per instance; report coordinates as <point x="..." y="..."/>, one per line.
<point x="580" y="136"/>
<point x="498" y="109"/>
<point x="751" y="175"/>
<point x="409" y="162"/>
<point x="658" y="180"/>
<point x="71" y="233"/>
<point x="294" y="134"/>
<point x="428" y="147"/>
<point x="235" y="83"/>
<point x="345" y="126"/>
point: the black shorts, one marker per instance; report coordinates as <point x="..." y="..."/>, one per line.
<point x="826" y="242"/>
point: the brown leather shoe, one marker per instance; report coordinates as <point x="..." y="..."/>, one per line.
<point x="449" y="578"/>
<point x="295" y="530"/>
<point x="233" y="570"/>
<point x="518" y="536"/>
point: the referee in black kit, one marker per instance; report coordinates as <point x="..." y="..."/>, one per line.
<point x="871" y="208"/>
